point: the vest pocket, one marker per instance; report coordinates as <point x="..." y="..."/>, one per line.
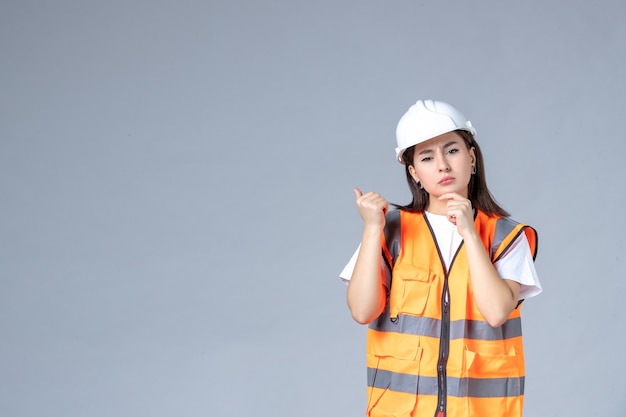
<point x="393" y="376"/>
<point x="494" y="384"/>
<point x="410" y="288"/>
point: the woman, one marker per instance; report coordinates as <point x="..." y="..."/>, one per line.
<point x="442" y="302"/>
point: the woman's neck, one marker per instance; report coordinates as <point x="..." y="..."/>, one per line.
<point x="437" y="206"/>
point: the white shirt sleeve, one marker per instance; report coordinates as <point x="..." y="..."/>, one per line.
<point x="346" y="273"/>
<point x="517" y="265"/>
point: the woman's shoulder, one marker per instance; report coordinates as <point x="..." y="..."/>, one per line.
<point x="392" y="218"/>
<point x="392" y="223"/>
<point x="505" y="222"/>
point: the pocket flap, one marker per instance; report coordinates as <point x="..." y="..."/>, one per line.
<point x="412" y="272"/>
<point x="396" y="345"/>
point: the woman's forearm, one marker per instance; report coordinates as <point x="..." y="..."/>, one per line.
<point x="366" y="293"/>
<point x="495" y="297"/>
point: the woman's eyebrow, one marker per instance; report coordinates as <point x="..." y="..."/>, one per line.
<point x="428" y="150"/>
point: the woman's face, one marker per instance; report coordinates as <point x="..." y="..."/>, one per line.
<point x="443" y="164"/>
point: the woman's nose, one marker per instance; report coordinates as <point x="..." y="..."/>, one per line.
<point x="444" y="166"/>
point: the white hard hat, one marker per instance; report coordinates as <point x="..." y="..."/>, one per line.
<point x="426" y="119"/>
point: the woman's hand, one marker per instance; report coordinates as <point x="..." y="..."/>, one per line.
<point x="459" y="212"/>
<point x="366" y="290"/>
<point x="495" y="297"/>
<point x="372" y="208"/>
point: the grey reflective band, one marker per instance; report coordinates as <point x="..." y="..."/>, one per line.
<point x="459" y="329"/>
<point x="406" y="383"/>
<point x="504" y="226"/>
<point x="392" y="237"/>
<point x="481" y="330"/>
<point x="457" y="387"/>
<point x="421" y="326"/>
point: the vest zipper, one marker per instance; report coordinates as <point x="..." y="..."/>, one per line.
<point x="444" y="336"/>
<point x="444" y="350"/>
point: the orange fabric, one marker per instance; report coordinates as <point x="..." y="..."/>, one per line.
<point x="485" y="366"/>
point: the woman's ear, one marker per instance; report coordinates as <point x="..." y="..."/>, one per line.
<point x="472" y="152"/>
<point x="413" y="173"/>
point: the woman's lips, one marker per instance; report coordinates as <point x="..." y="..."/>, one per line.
<point x="446" y="180"/>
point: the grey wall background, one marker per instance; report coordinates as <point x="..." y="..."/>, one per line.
<point x="176" y="193"/>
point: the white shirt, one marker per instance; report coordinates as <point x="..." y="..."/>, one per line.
<point x="516" y="264"/>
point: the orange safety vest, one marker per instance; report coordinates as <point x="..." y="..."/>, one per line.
<point x="431" y="352"/>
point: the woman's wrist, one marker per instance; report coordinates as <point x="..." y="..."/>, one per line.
<point x="373" y="230"/>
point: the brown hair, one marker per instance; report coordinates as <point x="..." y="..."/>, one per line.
<point x="478" y="193"/>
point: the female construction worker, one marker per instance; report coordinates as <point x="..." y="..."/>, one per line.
<point x="443" y="300"/>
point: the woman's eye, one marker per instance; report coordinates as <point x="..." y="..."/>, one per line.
<point x="453" y="150"/>
<point x="426" y="159"/>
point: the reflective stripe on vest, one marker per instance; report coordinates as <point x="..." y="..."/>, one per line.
<point x="422" y="360"/>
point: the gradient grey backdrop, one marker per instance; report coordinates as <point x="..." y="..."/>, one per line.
<point x="176" y="193"/>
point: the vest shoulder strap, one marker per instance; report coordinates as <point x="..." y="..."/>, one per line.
<point x="506" y="232"/>
<point x="391" y="244"/>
